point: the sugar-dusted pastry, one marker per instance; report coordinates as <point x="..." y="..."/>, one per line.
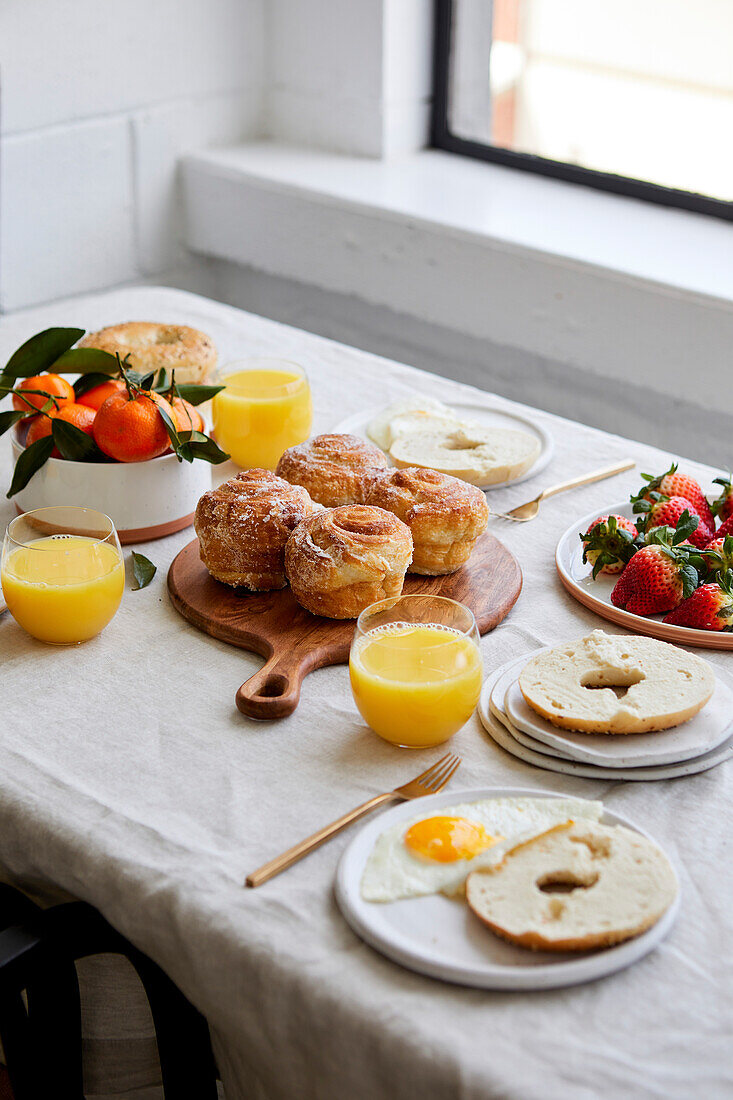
<point x="243" y="527"/>
<point x="150" y="346"/>
<point x="445" y="514"/>
<point x="341" y="560"/>
<point x="332" y="467"/>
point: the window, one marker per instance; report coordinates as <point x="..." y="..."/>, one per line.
<point x="630" y="96"/>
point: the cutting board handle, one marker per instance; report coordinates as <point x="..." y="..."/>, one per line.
<point x="273" y="691"/>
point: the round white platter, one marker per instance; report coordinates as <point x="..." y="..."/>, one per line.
<point x="487" y="416"/>
<point x="701" y="734"/>
<point x="440" y="936"/>
<point x="596" y="594"/>
<point x="499" y="728"/>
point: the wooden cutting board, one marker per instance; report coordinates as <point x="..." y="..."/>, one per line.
<point x="294" y="642"/>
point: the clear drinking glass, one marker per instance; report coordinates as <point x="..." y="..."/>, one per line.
<point x="264" y="408"/>
<point x="62" y="573"/>
<point x="415" y="669"/>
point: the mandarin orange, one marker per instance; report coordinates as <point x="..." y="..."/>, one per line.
<point x="131" y="429"/>
<point x="52" y="384"/>
<point x="97" y="395"/>
<point x="187" y="416"/>
<point x="78" y="415"/>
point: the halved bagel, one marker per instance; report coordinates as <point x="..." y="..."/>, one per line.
<point x="659" y="685"/>
<point x="481" y="456"/>
<point x="575" y="887"/>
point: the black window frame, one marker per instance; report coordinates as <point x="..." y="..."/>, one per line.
<point x="443" y="138"/>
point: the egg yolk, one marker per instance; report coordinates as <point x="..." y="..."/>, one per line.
<point x="447" y="839"/>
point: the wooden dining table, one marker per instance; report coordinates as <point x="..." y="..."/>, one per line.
<point x="129" y="779"/>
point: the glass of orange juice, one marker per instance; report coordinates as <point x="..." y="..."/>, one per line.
<point x="264" y="408"/>
<point x="415" y="669"/>
<point x="62" y="573"/>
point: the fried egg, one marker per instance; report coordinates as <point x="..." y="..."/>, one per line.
<point x="434" y="853"/>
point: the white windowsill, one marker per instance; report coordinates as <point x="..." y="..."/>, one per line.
<point x="671" y="247"/>
<point x="617" y="286"/>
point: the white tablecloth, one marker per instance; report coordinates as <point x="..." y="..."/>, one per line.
<point x="129" y="779"/>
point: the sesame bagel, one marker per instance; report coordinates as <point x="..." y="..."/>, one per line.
<point x="150" y="346"/>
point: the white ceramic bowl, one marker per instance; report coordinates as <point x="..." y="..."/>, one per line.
<point x="145" y="500"/>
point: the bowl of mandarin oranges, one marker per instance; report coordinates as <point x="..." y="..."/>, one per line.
<point x="112" y="421"/>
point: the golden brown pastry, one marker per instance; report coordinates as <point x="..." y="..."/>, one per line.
<point x="332" y="467"/>
<point x="343" y="559"/>
<point x="243" y="527"/>
<point x="151" y="346"/>
<point x="445" y="514"/>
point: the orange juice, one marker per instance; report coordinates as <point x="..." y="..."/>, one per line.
<point x="415" y="684"/>
<point x="64" y="588"/>
<point x="261" y="413"/>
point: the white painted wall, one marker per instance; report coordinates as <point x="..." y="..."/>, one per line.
<point x="99" y="101"/>
<point x="352" y="76"/>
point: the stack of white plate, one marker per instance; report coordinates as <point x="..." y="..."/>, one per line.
<point x="702" y="743"/>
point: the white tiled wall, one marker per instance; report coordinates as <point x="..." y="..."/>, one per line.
<point x="99" y="99"/>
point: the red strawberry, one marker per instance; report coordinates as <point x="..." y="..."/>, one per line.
<point x="663" y="511"/>
<point x="710" y="607"/>
<point x="609" y="543"/>
<point x="657" y="578"/>
<point x="725" y="529"/>
<point x="718" y="554"/>
<point x="672" y="484"/>
<point x="723" y="506"/>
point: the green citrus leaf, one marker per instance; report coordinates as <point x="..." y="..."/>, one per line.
<point x="84" y="360"/>
<point x="7" y="419"/>
<point x="170" y="428"/>
<point x="136" y="377"/>
<point x="202" y="446"/>
<point x="74" y="444"/>
<point x="41" y="352"/>
<point x="143" y="570"/>
<point x="30" y="460"/>
<point x="146" y="380"/>
<point x="196" y="395"/>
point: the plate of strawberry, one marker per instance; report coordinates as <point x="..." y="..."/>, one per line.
<point x="661" y="563"/>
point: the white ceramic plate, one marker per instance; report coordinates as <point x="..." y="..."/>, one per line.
<point x="701" y="734"/>
<point x="596" y="594"/>
<point x="484" y="414"/>
<point x="501" y="731"/>
<point x="503" y="734"/>
<point x="441" y="937"/>
<point x="496" y="705"/>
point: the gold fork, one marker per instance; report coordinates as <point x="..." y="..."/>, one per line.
<point x="432" y="780"/>
<point x="525" y="512"/>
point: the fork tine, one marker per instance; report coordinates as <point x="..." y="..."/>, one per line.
<point x="428" y="773"/>
<point x="443" y="775"/>
<point x="451" y="770"/>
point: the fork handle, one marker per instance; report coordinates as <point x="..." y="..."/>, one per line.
<point x="287" y="859"/>
<point x="587" y="479"/>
